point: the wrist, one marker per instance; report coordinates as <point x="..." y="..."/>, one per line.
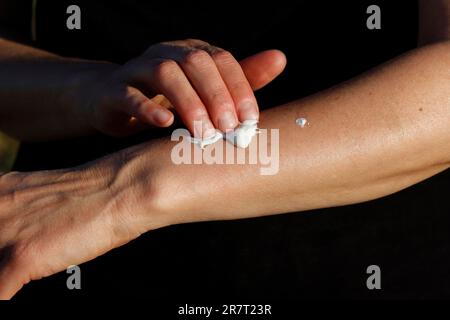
<point x="147" y="190"/>
<point x="79" y="90"/>
<point x="167" y="193"/>
<point x="137" y="181"/>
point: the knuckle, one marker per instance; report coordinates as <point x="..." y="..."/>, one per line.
<point x="196" y="57"/>
<point x="195" y="42"/>
<point x="154" y="49"/>
<point x="242" y="86"/>
<point x="128" y="92"/>
<point x="197" y="113"/>
<point x="219" y="100"/>
<point x="131" y="97"/>
<point x="223" y="56"/>
<point x="165" y="68"/>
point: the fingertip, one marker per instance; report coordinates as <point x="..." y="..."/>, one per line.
<point x="202" y="128"/>
<point x="8" y="284"/>
<point x="162" y="117"/>
<point x="263" y="67"/>
<point x="227" y="121"/>
<point x="248" y="110"/>
<point x="276" y="61"/>
<point x="279" y="59"/>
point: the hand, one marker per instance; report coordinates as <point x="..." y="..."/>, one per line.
<point x="204" y="84"/>
<point x="50" y="220"/>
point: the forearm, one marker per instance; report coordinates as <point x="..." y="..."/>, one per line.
<point x="370" y="137"/>
<point x="367" y="138"/>
<point x="38" y="92"/>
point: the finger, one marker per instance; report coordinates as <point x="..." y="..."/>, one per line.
<point x="237" y="84"/>
<point x="261" y="68"/>
<point x="202" y="72"/>
<point x="10" y="282"/>
<point x="162" y="101"/>
<point x="204" y="75"/>
<point x="160" y="50"/>
<point x="165" y="76"/>
<point x="136" y="104"/>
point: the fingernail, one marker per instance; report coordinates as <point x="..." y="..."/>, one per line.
<point x="161" y="116"/>
<point x="248" y="111"/>
<point x="208" y="129"/>
<point x="209" y="133"/>
<point x="203" y="129"/>
<point x="227" y="121"/>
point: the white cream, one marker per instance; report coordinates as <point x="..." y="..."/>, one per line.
<point x="302" y="122"/>
<point x="207" y="141"/>
<point x="240" y="137"/>
<point x="243" y="135"/>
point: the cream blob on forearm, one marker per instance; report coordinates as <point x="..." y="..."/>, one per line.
<point x="243" y="135"/>
<point x="207" y="141"/>
<point x="240" y="137"/>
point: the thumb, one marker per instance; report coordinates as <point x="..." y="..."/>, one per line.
<point x="263" y="67"/>
<point x="10" y="279"/>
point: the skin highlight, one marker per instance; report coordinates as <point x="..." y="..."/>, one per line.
<point x="369" y="137"/>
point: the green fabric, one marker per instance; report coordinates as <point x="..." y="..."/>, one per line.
<point x="8" y="151"/>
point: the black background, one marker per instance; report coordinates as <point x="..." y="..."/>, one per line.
<point x="316" y="254"/>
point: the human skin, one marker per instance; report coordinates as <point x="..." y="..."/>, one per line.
<point x="45" y="96"/>
<point x="368" y="137"/>
<point x="372" y="136"/>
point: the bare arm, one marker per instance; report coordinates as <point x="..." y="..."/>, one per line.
<point x="367" y="138"/>
<point x="44" y="96"/>
<point x="37" y="93"/>
<point x="372" y="136"/>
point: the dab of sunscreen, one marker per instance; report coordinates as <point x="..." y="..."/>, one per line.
<point x="240" y="137"/>
<point x="243" y="135"/>
<point x="207" y="141"/>
<point x="302" y="122"/>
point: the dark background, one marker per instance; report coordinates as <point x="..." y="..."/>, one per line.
<point x="316" y="254"/>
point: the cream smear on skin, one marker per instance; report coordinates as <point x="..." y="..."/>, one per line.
<point x="240" y="137"/>
<point x="302" y="122"/>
